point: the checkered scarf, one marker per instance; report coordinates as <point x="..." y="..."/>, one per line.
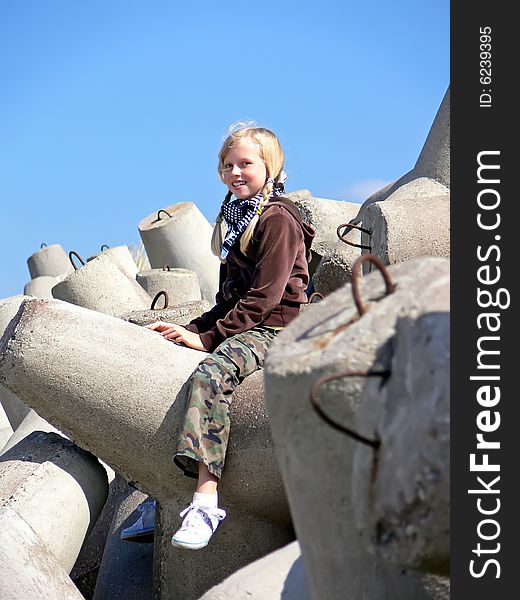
<point x="239" y="213"/>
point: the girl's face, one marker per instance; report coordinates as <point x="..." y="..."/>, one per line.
<point x="244" y="171"/>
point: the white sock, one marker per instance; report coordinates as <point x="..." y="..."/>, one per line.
<point x="205" y="500"/>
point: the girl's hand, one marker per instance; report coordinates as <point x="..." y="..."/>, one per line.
<point x="177" y="333"/>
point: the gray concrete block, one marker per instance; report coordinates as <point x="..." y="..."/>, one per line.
<point x="126" y="571"/>
<point x="273" y="577"/>
<point x="51" y="261"/>
<point x="29" y="569"/>
<point x="104" y="286"/>
<point x="6" y="431"/>
<point x="324" y="216"/>
<point x="405" y="228"/>
<point x="402" y="491"/>
<point x="31" y="422"/>
<point x="335" y="268"/>
<point x="15" y="409"/>
<point x="123" y="256"/>
<point x="181" y="285"/>
<point x="41" y="286"/>
<point x="182" y="314"/>
<point x="315" y="459"/>
<point x="57" y="488"/>
<point x="90" y="373"/>
<point x="182" y="240"/>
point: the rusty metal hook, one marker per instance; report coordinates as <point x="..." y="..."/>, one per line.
<point x="315" y="404"/>
<point x="352" y="225"/>
<point x="162" y="211"/>
<point x="315" y="295"/>
<point x="356" y="272"/>
<point x="104" y="246"/>
<point x="157" y="296"/>
<point x="43" y="245"/>
<point x="73" y="253"/>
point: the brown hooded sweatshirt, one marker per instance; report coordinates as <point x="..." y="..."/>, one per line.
<point x="266" y="287"/>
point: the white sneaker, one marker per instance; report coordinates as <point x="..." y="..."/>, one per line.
<point x="198" y="526"/>
<point x="143" y="529"/>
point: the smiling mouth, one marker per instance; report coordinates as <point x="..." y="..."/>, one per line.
<point x="237" y="184"/>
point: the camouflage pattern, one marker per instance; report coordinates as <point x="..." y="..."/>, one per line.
<point x="205" y="432"/>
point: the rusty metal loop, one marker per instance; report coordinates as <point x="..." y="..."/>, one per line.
<point x="157" y="296"/>
<point x="316" y="405"/>
<point x="104" y="247"/>
<point x="164" y="211"/>
<point x="315" y="295"/>
<point x="166" y="268"/>
<point x="356" y="272"/>
<point x="352" y="225"/>
<point x="73" y="253"/>
<point x="43" y="245"/>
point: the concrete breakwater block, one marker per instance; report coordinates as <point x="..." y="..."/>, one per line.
<point x="15" y="409"/>
<point x="277" y="576"/>
<point x="89" y="373"/>
<point x="324" y="216"/>
<point x="182" y="314"/>
<point x="50" y="261"/>
<point x="335" y="268"/>
<point x="104" y="286"/>
<point x="405" y="228"/>
<point x="401" y="490"/>
<point x="126" y="571"/>
<point x="123" y="256"/>
<point x="181" y="285"/>
<point x="6" y="431"/>
<point x="57" y="488"/>
<point x="316" y="460"/>
<point x="29" y="569"/>
<point x="41" y="286"/>
<point x="180" y="236"/>
<point x="31" y="422"/>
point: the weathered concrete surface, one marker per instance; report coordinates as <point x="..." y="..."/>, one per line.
<point x="29" y="569"/>
<point x="405" y="228"/>
<point x="401" y="491"/>
<point x="242" y="537"/>
<point x="50" y="261"/>
<point x="40" y="287"/>
<point x="6" y="431"/>
<point x="31" y="422"/>
<point x="104" y="286"/>
<point x="123" y="256"/>
<point x="126" y="571"/>
<point x="249" y="531"/>
<point x="279" y="575"/>
<point x="324" y="216"/>
<point x="335" y="268"/>
<point x="181" y="285"/>
<point x="182" y="314"/>
<point x="182" y="240"/>
<point x="315" y="459"/>
<point x="57" y="488"/>
<point x="89" y="373"/>
<point x="15" y="409"/>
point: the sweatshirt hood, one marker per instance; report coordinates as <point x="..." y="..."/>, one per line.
<point x="308" y="232"/>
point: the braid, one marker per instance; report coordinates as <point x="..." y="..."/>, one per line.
<point x="217" y="237"/>
<point x="248" y="233"/>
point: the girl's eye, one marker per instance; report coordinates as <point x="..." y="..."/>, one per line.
<point x="244" y="164"/>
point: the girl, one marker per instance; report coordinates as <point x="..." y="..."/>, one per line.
<point x="263" y="278"/>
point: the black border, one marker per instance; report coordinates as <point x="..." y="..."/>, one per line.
<point x="475" y="129"/>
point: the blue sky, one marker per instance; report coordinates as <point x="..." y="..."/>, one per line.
<point x="113" y="109"/>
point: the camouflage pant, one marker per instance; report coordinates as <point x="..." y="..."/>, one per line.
<point x="205" y="432"/>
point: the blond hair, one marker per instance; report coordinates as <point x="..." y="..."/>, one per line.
<point x="271" y="154"/>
